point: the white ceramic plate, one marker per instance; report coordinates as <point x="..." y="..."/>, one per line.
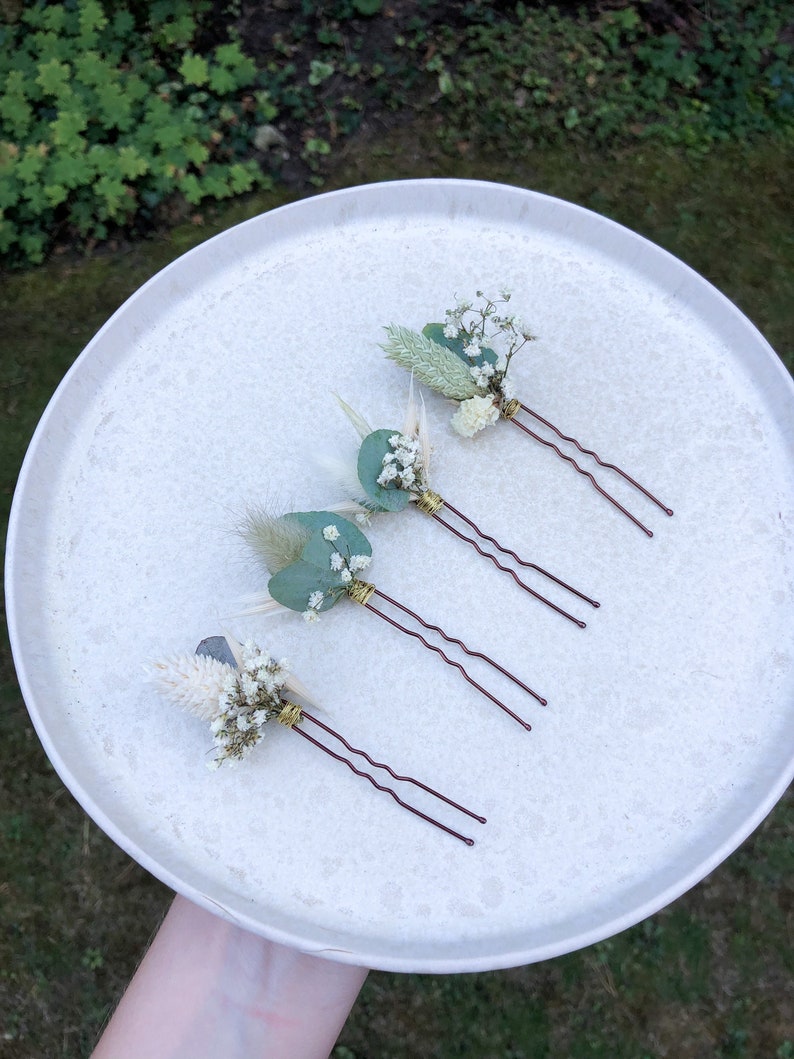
<point x="668" y="732"/>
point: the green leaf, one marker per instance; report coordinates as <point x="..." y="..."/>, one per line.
<point x="356" y="542"/>
<point x="191" y="189"/>
<point x="433" y="364"/>
<point x="31" y="164"/>
<point x="222" y="81"/>
<point x="320" y="71"/>
<point x="71" y="170"/>
<point x="292" y="586"/>
<point x="18" y="113"/>
<point x="91" y="70"/>
<point x="67" y="127"/>
<point x="54" y="77"/>
<point x="368" y="7"/>
<point x="196" y="152"/>
<point x="370" y="465"/>
<point x="240" y="178"/>
<point x="116" y="107"/>
<point x="194" y="70"/>
<point x="131" y="163"/>
<point x="318" y="552"/>
<point x="92" y="20"/>
<point x="435" y="332"/>
<point x="56" y="193"/>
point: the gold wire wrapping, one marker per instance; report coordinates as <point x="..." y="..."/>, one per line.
<point x="360" y="591"/>
<point x="510" y="408"/>
<point x="430" y="502"/>
<point x="290" y="714"/>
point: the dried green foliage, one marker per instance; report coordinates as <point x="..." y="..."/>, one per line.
<point x="433" y="364"/>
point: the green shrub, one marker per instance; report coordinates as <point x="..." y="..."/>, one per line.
<point x="102" y="118"/>
<point x="550" y="77"/>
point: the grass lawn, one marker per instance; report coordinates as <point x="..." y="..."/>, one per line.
<point x="710" y="976"/>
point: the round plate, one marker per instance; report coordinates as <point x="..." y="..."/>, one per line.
<point x="668" y="733"/>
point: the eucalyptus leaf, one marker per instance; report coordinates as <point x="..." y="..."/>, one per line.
<point x="370" y="465"/>
<point x="318" y="551"/>
<point x="356" y="542"/>
<point x="292" y="586"/>
<point x="435" y="332"/>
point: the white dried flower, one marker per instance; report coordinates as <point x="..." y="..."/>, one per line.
<point x="359" y="562"/>
<point x="337" y="561"/>
<point x="310" y="616"/>
<point x="474" y="415"/>
<point x="346" y="577"/>
<point x="507" y="388"/>
<point x="315" y="599"/>
<point x="331" y="533"/>
<point x="194" y="682"/>
<point x="451" y="330"/>
<point x="482" y="375"/>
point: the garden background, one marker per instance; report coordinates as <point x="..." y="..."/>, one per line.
<point x="131" y="132"/>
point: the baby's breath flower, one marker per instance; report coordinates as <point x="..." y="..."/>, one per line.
<point x="315" y="599"/>
<point x="310" y="616"/>
<point x="482" y="375"/>
<point x="388" y="474"/>
<point x="346" y="576"/>
<point x="507" y="388"/>
<point x="331" y="533"/>
<point x="359" y="562"/>
<point x="337" y="561"/>
<point x="451" y="330"/>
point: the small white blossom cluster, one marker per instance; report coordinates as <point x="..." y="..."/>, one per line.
<point x="346" y="568"/>
<point x="249" y="699"/>
<point x="237" y="703"/>
<point x="478" y="327"/>
<point x="402" y="467"/>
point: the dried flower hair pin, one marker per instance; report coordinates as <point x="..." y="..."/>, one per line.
<point x="393" y="469"/>
<point x="239" y="689"/>
<point x="314" y="558"/>
<point x="455" y="359"/>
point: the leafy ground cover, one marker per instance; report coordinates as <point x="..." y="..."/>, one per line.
<point x="113" y="116"/>
<point x="709" y="977"/>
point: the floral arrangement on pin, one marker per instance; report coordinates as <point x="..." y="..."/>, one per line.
<point x="467" y="358"/>
<point x="240" y="690"/>
<point x="314" y="558"/>
<point x="392" y="470"/>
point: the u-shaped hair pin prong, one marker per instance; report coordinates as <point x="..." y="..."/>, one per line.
<point x="597" y="458"/>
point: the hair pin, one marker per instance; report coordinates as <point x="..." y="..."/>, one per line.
<point x="314" y="558"/>
<point x="239" y="689"/>
<point x="393" y="469"/>
<point x="454" y="359"/>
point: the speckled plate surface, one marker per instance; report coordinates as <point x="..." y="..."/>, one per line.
<point x="668" y="733"/>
